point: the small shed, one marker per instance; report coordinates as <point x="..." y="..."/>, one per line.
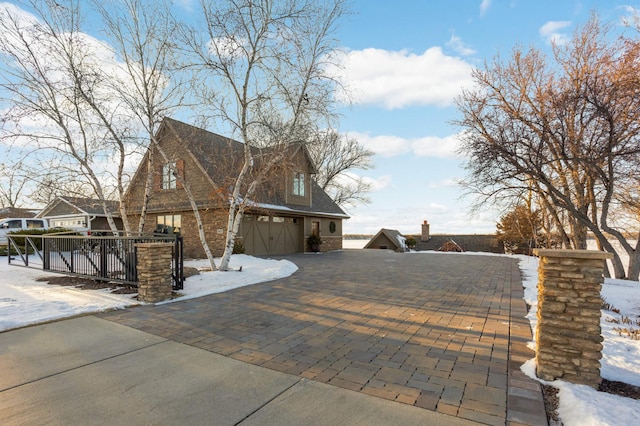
<point x="387" y="239"/>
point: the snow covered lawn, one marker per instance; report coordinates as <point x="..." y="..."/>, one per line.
<point x="24" y="301"/>
<point x="581" y="405"/>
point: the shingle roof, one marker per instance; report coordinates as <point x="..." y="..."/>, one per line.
<point x="482" y="243"/>
<point x="16" y="212"/>
<point x="222" y="156"/>
<point x="393" y="235"/>
<point x="75" y="205"/>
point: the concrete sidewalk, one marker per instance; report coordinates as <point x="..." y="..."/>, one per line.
<point x="88" y="370"/>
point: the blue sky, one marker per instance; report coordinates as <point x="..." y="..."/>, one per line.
<point x="405" y="62"/>
<point x="417" y="55"/>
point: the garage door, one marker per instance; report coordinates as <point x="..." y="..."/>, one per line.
<point x="265" y="235"/>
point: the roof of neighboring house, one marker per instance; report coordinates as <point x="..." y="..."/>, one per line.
<point x="482" y="243"/>
<point x="219" y="155"/>
<point x="6" y="212"/>
<point x="66" y="206"/>
<point x="395" y="237"/>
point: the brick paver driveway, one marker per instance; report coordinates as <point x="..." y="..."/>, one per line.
<point x="443" y="332"/>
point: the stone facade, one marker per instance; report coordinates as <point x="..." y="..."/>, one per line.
<point x="206" y="164"/>
<point x="568" y="337"/>
<point x="331" y="243"/>
<point x="154" y="271"/>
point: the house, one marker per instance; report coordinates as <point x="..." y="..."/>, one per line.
<point x="387" y="239"/>
<point x="288" y="207"/>
<point x="6" y="212"/>
<point x="458" y="242"/>
<point x="85" y="214"/>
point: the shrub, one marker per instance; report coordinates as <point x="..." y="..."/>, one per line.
<point x="313" y="242"/>
<point x="238" y="247"/>
<point x="20" y="241"/>
<point x="411" y="242"/>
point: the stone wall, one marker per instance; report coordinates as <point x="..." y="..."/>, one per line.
<point x="154" y="271"/>
<point x="568" y="337"/>
<point x="330" y="243"/>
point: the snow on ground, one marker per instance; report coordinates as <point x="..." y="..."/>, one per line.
<point x="25" y="301"/>
<point x="579" y="404"/>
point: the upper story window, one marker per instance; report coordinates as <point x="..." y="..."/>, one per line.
<point x="298" y="184"/>
<point x="169" y="176"/>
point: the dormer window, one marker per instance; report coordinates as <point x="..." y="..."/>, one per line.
<point x="298" y="184"/>
<point x="169" y="176"/>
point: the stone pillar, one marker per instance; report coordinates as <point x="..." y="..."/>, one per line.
<point x="568" y="336"/>
<point x="154" y="271"/>
<point x="425" y="232"/>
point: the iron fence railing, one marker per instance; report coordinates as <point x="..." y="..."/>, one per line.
<point x="101" y="258"/>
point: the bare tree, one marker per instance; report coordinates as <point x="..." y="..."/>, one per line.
<point x="570" y="126"/>
<point x="335" y="156"/>
<point x="265" y="60"/>
<point x="53" y="85"/>
<point x="13" y="180"/>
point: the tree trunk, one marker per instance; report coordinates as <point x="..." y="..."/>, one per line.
<point x="148" y="187"/>
<point x="194" y="207"/>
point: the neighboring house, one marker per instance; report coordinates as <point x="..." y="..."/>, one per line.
<point x="387" y="239"/>
<point x="85" y="214"/>
<point x="288" y="208"/>
<point x="6" y="212"/>
<point x="453" y="242"/>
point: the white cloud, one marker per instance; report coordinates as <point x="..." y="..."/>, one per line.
<point x="484" y="7"/>
<point x="551" y="31"/>
<point x="432" y="146"/>
<point x="391" y="146"/>
<point x="384" y="145"/>
<point x="444" y="183"/>
<point x="630" y="16"/>
<point x="397" y="79"/>
<point x="459" y="46"/>
<point x="379" y="183"/>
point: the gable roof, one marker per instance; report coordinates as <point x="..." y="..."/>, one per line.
<point x="218" y="155"/>
<point x="394" y="237"/>
<point x="65" y="206"/>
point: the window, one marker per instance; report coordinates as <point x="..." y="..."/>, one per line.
<point x="34" y="224"/>
<point x="14" y="224"/>
<point x="169" y="176"/>
<point x="315" y="228"/>
<point x="169" y="223"/>
<point x="298" y="184"/>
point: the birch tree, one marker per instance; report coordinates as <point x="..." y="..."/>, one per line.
<point x="53" y="89"/>
<point x="262" y="68"/>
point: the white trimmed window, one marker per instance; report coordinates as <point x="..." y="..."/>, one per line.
<point x="298" y="184"/>
<point x="169" y="176"/>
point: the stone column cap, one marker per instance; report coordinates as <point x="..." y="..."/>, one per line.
<point x="574" y="254"/>
<point x="153" y="244"/>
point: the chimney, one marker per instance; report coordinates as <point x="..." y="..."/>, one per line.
<point x="425" y="231"/>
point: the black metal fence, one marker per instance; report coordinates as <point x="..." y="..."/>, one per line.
<point x="102" y="258"/>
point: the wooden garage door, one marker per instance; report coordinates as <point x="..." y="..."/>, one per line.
<point x="265" y="235"/>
